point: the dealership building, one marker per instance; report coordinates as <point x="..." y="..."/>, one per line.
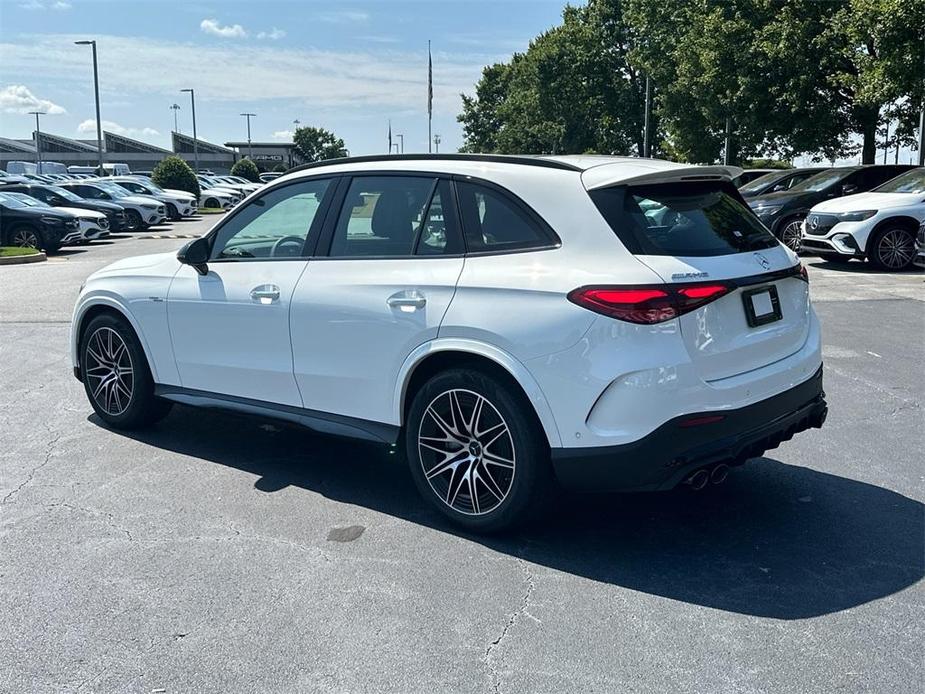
<point x="141" y="156"/>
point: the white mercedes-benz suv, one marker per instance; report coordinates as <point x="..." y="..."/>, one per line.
<point x="512" y="322"/>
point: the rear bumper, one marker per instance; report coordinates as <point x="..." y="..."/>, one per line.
<point x="669" y="454"/>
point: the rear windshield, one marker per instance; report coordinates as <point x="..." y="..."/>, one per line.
<point x="682" y="219"/>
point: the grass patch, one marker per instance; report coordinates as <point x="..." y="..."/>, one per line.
<point x="15" y="251"/>
<point x="211" y="210"/>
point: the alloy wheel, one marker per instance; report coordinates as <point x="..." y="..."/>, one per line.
<point x="109" y="371"/>
<point x="895" y="249"/>
<point x="792" y="235"/>
<point x="26" y="238"/>
<point x="466" y="452"/>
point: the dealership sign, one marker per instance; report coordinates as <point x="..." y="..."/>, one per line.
<point x="268" y="157"/>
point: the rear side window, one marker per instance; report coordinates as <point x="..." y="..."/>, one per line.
<point x="681" y="219"/>
<point x="495" y="222"/>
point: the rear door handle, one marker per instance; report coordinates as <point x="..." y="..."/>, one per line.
<point x="265" y="293"/>
<point x="408" y="300"/>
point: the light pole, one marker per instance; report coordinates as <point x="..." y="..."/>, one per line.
<point x="96" y="88"/>
<point x="646" y="117"/>
<point x="250" y="150"/>
<point x="401" y="137"/>
<point x="176" y="124"/>
<point x="38" y="141"/>
<point x="192" y="98"/>
<point x="437" y="143"/>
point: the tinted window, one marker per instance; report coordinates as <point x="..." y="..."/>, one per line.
<point x="494" y="222"/>
<point x="681" y="219"/>
<point x="275" y="225"/>
<point x="910" y="182"/>
<point x="759" y="183"/>
<point x="820" y="181"/>
<point x="382" y="216"/>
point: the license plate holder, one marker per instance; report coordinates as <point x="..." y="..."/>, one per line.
<point x="762" y="305"/>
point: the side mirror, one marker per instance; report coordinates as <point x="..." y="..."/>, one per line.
<point x="196" y="253"/>
<point x="849" y="189"/>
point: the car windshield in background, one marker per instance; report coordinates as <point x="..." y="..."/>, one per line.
<point x="682" y="219"/>
<point x="820" y="181"/>
<point x="760" y="182"/>
<point x="27" y="200"/>
<point x="909" y="182"/>
<point x="10" y="201"/>
<point x="65" y="193"/>
<point x="114" y="190"/>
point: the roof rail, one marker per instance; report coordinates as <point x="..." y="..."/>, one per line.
<point x="528" y="160"/>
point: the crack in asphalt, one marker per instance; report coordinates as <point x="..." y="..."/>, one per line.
<point x="50" y="449"/>
<point x="488" y="657"/>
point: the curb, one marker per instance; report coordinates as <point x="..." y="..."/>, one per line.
<point x="24" y="259"/>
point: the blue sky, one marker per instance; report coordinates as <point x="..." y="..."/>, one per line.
<point x="346" y="66"/>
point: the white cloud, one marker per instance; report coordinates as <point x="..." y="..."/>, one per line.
<point x="233" y="31"/>
<point x="352" y="81"/>
<point x="283" y="135"/>
<point x="16" y="98"/>
<point x="42" y="5"/>
<point x="273" y="35"/>
<point x="89" y="126"/>
<point x="343" y="16"/>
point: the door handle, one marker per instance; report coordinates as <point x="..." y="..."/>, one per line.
<point x="265" y="293"/>
<point x="407" y="300"/>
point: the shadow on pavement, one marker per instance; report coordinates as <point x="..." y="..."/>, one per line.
<point x="857" y="266"/>
<point x="775" y="540"/>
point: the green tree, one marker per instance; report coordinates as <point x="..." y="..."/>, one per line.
<point x="174" y="172"/>
<point x="280" y="168"/>
<point x="245" y="168"/>
<point x="317" y="144"/>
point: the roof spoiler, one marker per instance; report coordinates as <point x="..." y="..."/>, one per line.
<point x="608" y="175"/>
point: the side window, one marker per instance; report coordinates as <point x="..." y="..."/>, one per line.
<point x="493" y="222"/>
<point x="275" y="225"/>
<point x="438" y="234"/>
<point x="383" y="216"/>
<point x="797" y="178"/>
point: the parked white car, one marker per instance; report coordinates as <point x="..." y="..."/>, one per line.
<point x="207" y="185"/>
<point x="246" y="186"/>
<point x="609" y="323"/>
<point x="93" y="225"/>
<point x="879" y="225"/>
<point x="220" y="184"/>
<point x="209" y="197"/>
<point x="141" y="211"/>
<point x="179" y="203"/>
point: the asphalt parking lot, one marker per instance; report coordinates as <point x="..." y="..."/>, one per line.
<point x="216" y="553"/>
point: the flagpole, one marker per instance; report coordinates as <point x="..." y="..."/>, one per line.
<point x="390" y="135"/>
<point x="430" y="98"/>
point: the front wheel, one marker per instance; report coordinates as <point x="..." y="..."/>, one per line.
<point x="135" y="222"/>
<point x="116" y="376"/>
<point x="476" y="452"/>
<point x="173" y="213"/>
<point x="791" y="234"/>
<point x="892" y="249"/>
<point x="27" y="237"/>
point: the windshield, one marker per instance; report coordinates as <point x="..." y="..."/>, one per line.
<point x="10" y="201"/>
<point x="65" y="193"/>
<point x="909" y="182"/>
<point x="821" y="181"/>
<point x="114" y="190"/>
<point x="27" y="200"/>
<point x="682" y="219"/>
<point x="762" y="181"/>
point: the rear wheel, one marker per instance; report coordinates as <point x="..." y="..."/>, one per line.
<point x="892" y="249"/>
<point x="27" y="237"/>
<point x="476" y="452"/>
<point x="116" y="376"/>
<point x="791" y="234"/>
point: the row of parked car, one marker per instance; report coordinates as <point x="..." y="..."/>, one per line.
<point x="48" y="211"/>
<point x="872" y="213"/>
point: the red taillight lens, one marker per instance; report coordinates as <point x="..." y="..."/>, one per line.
<point x="646" y="305"/>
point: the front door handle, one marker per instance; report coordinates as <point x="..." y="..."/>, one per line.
<point x="409" y="300"/>
<point x="265" y="293"/>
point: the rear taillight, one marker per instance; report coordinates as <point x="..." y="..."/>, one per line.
<point x="804" y="275"/>
<point x="647" y="305"/>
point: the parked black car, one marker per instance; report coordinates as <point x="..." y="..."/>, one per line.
<point x="778" y="181"/>
<point x="783" y="213"/>
<point x="56" y="196"/>
<point x="35" y="227"/>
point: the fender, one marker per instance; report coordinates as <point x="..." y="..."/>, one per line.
<point x="113" y="301"/>
<point x="509" y="363"/>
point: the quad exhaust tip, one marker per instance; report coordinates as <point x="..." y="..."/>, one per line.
<point x="719" y="474"/>
<point x="699" y="479"/>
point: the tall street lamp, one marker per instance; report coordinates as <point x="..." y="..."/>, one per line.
<point x="401" y="138"/>
<point x="176" y="125"/>
<point x="250" y="150"/>
<point x="96" y="88"/>
<point x="192" y="98"/>
<point x="38" y="140"/>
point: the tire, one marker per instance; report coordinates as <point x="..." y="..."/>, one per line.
<point x="503" y="453"/>
<point x="791" y="233"/>
<point x="128" y="401"/>
<point x="173" y="214"/>
<point x="27" y="237"/>
<point x="212" y="202"/>
<point x="134" y="221"/>
<point x="892" y="248"/>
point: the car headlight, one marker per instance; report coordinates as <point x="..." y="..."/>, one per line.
<point x="149" y="206"/>
<point x="855" y="216"/>
<point x="767" y="210"/>
<point x="51" y="221"/>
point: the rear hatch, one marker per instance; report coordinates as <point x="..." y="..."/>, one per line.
<point x="697" y="232"/>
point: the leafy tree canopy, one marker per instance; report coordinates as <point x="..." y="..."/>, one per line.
<point x="174" y="172"/>
<point x="317" y="144"/>
<point x="245" y="168"/>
